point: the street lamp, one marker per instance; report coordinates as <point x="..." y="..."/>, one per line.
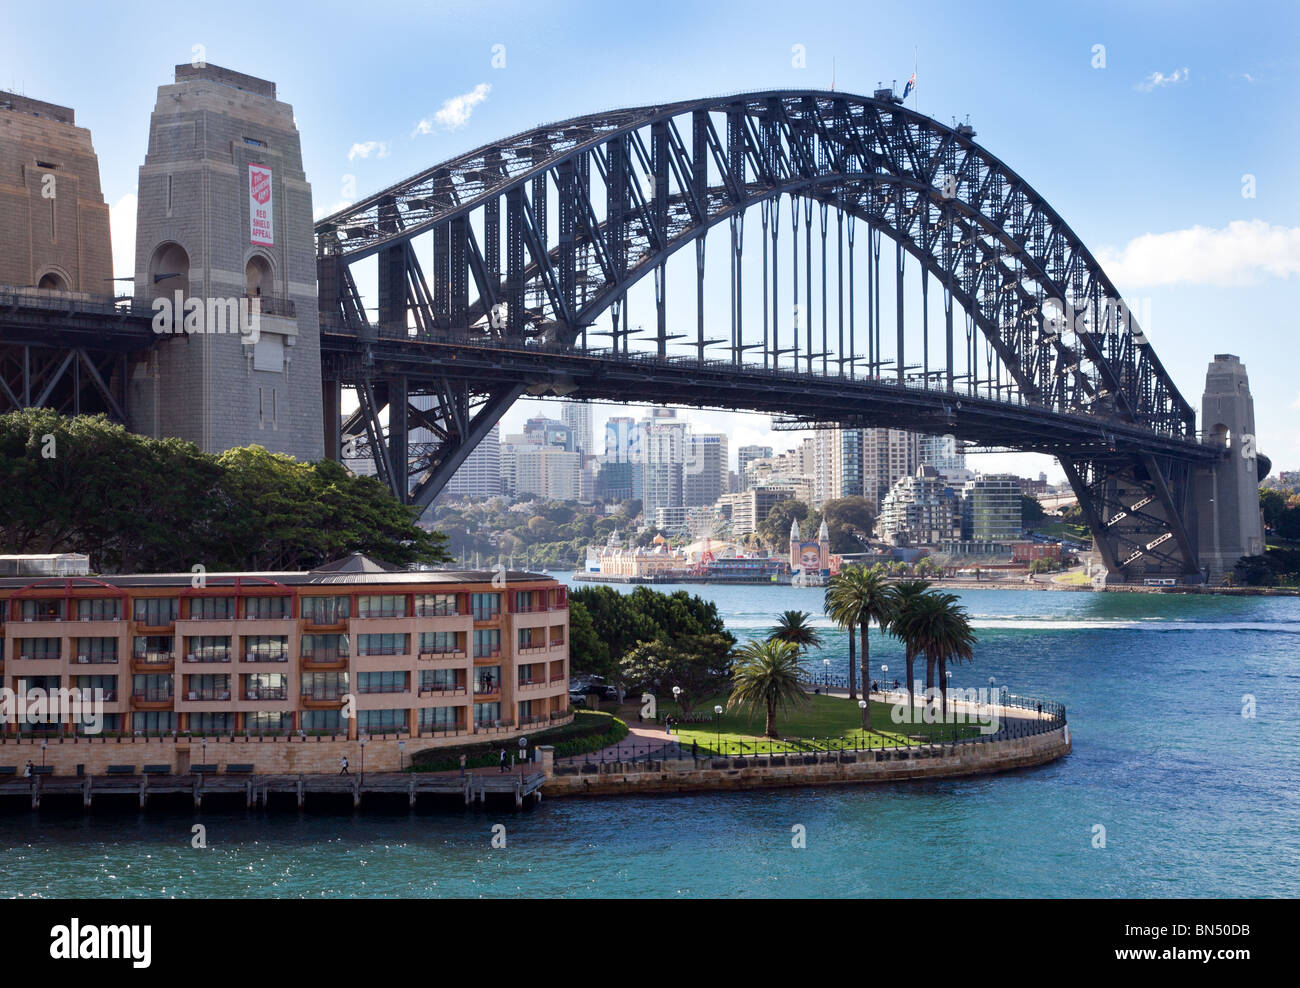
<point x="884" y="678"/>
<point x="44" y="744"/>
<point x="401" y="756"/>
<point x="717" y="723"/>
<point x="523" y="750"/>
<point x="203" y="752"/>
<point x="862" y="705"/>
<point x="363" y="759"/>
<point x="677" y="697"/>
<point x="948" y="681"/>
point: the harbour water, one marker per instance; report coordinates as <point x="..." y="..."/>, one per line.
<point x="1195" y="799"/>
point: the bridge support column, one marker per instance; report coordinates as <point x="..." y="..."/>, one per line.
<point x="1229" y="523"/>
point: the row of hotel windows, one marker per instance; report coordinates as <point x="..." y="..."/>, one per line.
<point x="159" y="612"/>
<point x="275" y="648"/>
<point x="275" y="686"/>
<point x="434" y="719"/>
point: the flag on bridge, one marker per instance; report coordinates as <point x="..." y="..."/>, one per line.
<point x="911" y="84"/>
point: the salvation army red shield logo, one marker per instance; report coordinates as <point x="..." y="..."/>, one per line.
<point x="259" y="184"/>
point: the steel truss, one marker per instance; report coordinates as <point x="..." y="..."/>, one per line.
<point x="536" y="236"/>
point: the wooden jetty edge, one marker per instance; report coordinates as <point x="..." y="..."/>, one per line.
<point x="257" y="789"/>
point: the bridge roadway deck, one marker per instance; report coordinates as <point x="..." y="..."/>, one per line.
<point x="640" y="377"/>
<point x="257" y="789"/>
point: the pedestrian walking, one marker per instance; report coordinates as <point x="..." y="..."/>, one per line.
<point x="343" y="764"/>
<point x="27" y="769"/>
<point x="503" y="760"/>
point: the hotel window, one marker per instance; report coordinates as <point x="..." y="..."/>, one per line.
<point x="325" y="610"/>
<point x="207" y="686"/>
<point x="325" y="648"/>
<point x="382" y="606"/>
<point x="487" y="714"/>
<point x="106" y="723"/>
<point x="266" y="686"/>
<point x="388" y="644"/>
<point x="485" y="606"/>
<point x="525" y="709"/>
<point x="382" y="682"/>
<point x="323" y="720"/>
<point x="42" y="610"/>
<point x="379" y="721"/>
<point x="152" y="648"/>
<point x="155" y="612"/>
<point x="531" y="637"/>
<point x="99" y="609"/>
<point x="487" y="679"/>
<point x="209" y="648"/>
<point x="106" y="683"/>
<point x="149" y="687"/>
<point x="435" y="604"/>
<point x="266" y="648"/>
<point x="210" y="723"/>
<point x="524" y="601"/>
<point x="212" y="608"/>
<point x="557" y="634"/>
<point x="38" y="648"/>
<point x="438" y="718"/>
<point x="266" y="608"/>
<point x="440" y="679"/>
<point x="268" y="720"/>
<point x="324" y="685"/>
<point x="153" y="721"/>
<point x="487" y="642"/>
<point x="439" y="642"/>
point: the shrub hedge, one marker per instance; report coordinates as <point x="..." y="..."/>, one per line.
<point x="590" y="731"/>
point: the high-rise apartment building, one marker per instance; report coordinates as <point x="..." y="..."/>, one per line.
<point x="705" y="475"/>
<point x="991" y="509"/>
<point x="887" y="455"/>
<point x="577" y="416"/>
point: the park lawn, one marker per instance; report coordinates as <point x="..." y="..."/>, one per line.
<point x="810" y="726"/>
<point x="1075" y="578"/>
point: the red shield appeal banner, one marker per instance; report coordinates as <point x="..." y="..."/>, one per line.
<point x="260" y="207"/>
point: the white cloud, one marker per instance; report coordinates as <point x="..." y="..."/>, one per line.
<point x="1157" y="80"/>
<point x="322" y="211"/>
<point x="455" y="112"/>
<point x="1241" y="253"/>
<point x="121" y="227"/>
<point x="365" y="149"/>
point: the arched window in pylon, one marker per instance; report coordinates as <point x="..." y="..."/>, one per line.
<point x="169" y="270"/>
<point x="52" y="281"/>
<point x="258" y="281"/>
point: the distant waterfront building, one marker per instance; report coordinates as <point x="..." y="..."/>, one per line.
<point x="480" y="474"/>
<point x="577" y="416"/>
<point x="887" y="456"/>
<point x="837" y="467"/>
<point x="749" y="508"/>
<point x="704" y="478"/>
<point x="549" y="472"/>
<point x="944" y="453"/>
<point x="748" y="453"/>
<point x="991" y="509"/>
<point x="550" y="432"/>
<point x="922" y="509"/>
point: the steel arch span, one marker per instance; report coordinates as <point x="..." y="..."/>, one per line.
<point x="535" y="238"/>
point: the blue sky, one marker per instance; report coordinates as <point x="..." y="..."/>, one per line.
<point x="1144" y="157"/>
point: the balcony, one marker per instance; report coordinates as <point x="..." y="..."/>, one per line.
<point x="267" y="693"/>
<point x="326" y="622"/>
<point x="207" y="694"/>
<point x="384" y="613"/>
<point x="557" y="643"/>
<point x="488" y="656"/>
<point x="325" y="659"/>
<point x="450" y="689"/>
<point x="395" y="688"/>
<point x="266" y="656"/>
<point x="325" y="699"/>
<point x="152" y="699"/>
<point x="532" y="648"/>
<point x="38" y="656"/>
<point x="486" y="615"/>
<point x="94" y="659"/>
<point x="483" y="692"/>
<point x="439" y="655"/>
<point x="203" y="657"/>
<point x="153" y="662"/>
<point x="381" y="650"/>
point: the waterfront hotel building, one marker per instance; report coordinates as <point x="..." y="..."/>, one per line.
<point x="427" y="654"/>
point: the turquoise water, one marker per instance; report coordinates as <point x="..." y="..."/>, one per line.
<point x="1195" y="799"/>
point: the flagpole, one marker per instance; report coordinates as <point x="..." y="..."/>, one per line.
<point x="916" y="105"/>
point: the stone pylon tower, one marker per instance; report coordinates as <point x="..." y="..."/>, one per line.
<point x="225" y="213"/>
<point x="1229" y="522"/>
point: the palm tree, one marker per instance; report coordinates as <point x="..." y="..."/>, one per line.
<point x="769" y="675"/>
<point x="859" y="596"/>
<point x="950" y="637"/>
<point x="793" y="627"/>
<point x="846" y="621"/>
<point x="906" y="624"/>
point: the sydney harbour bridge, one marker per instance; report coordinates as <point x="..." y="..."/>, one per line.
<point x="539" y="265"/>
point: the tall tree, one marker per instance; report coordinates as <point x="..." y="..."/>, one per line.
<point x="769" y="676"/>
<point x="903" y="625"/>
<point x="859" y="596"/>
<point x="794" y="627"/>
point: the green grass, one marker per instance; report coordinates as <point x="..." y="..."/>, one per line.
<point x="1076" y="578"/>
<point x="824" y="719"/>
<point x="1056" y="528"/>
